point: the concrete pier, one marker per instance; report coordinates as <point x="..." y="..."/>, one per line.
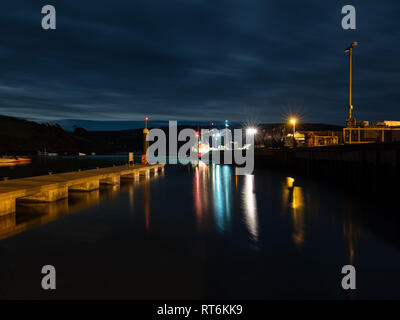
<point x="112" y="180"/>
<point x="86" y="186"/>
<point x="133" y="176"/>
<point x="50" y="195"/>
<point x="54" y="187"/>
<point x="372" y="168"/>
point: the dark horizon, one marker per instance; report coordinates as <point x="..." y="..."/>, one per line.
<point x="255" y="62"/>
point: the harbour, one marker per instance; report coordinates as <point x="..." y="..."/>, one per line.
<point x="203" y="232"/>
<point x="201" y="159"/>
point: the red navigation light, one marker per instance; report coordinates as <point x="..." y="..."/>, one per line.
<point x="147" y="118"/>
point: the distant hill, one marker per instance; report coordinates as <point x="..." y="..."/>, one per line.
<point x="93" y="125"/>
<point x="18" y="136"/>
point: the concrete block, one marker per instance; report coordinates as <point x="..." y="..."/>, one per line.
<point x="87" y="186"/>
<point x="113" y="180"/>
<point x="145" y="173"/>
<point x="50" y="195"/>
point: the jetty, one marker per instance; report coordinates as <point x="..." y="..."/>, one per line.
<point x="53" y="187"/>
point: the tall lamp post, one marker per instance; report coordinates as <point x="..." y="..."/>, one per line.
<point x="351" y="121"/>
<point x="145" y="141"/>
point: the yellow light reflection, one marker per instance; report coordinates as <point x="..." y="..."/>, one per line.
<point x="298" y="216"/>
<point x="36" y="214"/>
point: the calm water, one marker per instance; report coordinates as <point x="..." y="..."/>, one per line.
<point x="199" y="233"/>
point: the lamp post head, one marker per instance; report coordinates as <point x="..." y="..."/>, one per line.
<point x="351" y="46"/>
<point x="251" y="131"/>
<point x="293" y="121"/>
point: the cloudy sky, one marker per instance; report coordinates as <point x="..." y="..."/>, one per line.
<point x="205" y="60"/>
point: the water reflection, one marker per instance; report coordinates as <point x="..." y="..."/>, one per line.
<point x="293" y="198"/>
<point x="131" y="206"/>
<point x="7" y="222"/>
<point x="351" y="235"/>
<point x="298" y="216"/>
<point x="29" y="215"/>
<point x="200" y="193"/>
<point x="84" y="198"/>
<point x="205" y="225"/>
<point x="146" y="203"/>
<point x="221" y="190"/>
<point x="213" y="184"/>
<point x="250" y="207"/>
<point x="32" y="214"/>
<point x="214" y="191"/>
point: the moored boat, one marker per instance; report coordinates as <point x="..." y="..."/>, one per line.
<point x="14" y="160"/>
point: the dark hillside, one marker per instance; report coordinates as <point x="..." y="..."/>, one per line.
<point x="18" y="136"/>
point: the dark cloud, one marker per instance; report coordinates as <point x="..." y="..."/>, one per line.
<point x="198" y="60"/>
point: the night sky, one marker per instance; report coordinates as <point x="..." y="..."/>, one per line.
<point x="198" y="60"/>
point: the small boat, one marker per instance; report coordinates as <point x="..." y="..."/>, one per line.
<point x="4" y="161"/>
<point x="49" y="154"/>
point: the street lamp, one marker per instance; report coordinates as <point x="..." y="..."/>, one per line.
<point x="293" y="121"/>
<point x="350" y="122"/>
<point x="251" y="131"/>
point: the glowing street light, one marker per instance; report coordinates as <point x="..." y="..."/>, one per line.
<point x="293" y="121"/>
<point x="251" y="131"/>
